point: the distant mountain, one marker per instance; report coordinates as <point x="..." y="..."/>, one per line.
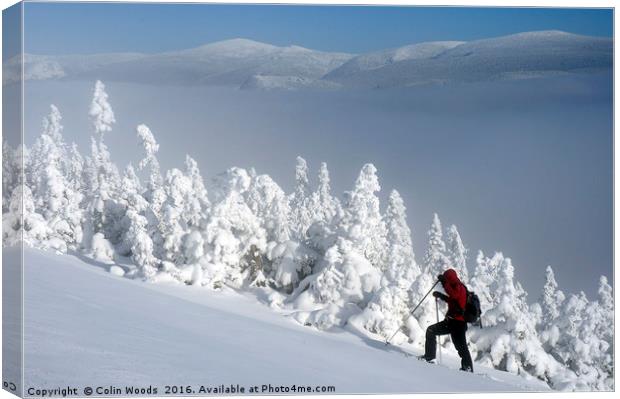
<point x="515" y="56"/>
<point x="376" y="60"/>
<point x="230" y="62"/>
<point x="249" y="64"/>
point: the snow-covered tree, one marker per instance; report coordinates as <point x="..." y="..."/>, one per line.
<point x="401" y="267"/>
<point x="149" y="161"/>
<point x="173" y="219"/>
<point x="606" y="297"/>
<point x="130" y="183"/>
<point x="231" y="232"/>
<point x="362" y="223"/>
<point x="102" y="177"/>
<point x="196" y="210"/>
<point x="552" y="298"/>
<point x="105" y="176"/>
<point x="22" y="225"/>
<point x="197" y="204"/>
<point x="93" y="203"/>
<point x="74" y="169"/>
<point x="324" y="207"/>
<point x="551" y="302"/>
<point x="390" y="306"/>
<point x="54" y="196"/>
<point x="585" y="344"/>
<point x="269" y="203"/>
<point x="234" y="179"/>
<point x="290" y="259"/>
<point x="12" y="172"/>
<point x="570" y="324"/>
<point x="101" y="112"/>
<point x="141" y="245"/>
<point x="595" y="362"/>
<point x="301" y="216"/>
<point x="291" y="262"/>
<point x="457" y="253"/>
<point x="509" y="340"/>
<point x="344" y="285"/>
<point x="8" y="174"/>
<point x="604" y="331"/>
<point x="485" y="279"/>
<point x="435" y="259"/>
<point x="155" y="192"/>
<point x="130" y="200"/>
<point x="184" y="210"/>
<point x="48" y="153"/>
<point x="102" y="118"/>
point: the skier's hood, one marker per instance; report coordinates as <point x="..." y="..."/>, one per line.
<point x="451" y="277"/>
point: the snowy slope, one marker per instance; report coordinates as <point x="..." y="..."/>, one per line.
<point x="379" y="59"/>
<point x="248" y="64"/>
<point x="515" y="56"/>
<point x="86" y="326"/>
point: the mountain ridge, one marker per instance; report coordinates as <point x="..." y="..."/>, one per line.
<point x="249" y="64"/>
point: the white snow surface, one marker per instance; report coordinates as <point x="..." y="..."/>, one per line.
<point x="87" y="326"/>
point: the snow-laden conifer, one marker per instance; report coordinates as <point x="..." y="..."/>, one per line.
<point x="509" y="340"/>
<point x="12" y="172"/>
<point x="102" y="178"/>
<point x="198" y="203"/>
<point x="362" y="223"/>
<point x="390" y="305"/>
<point x="22" y="225"/>
<point x="300" y="201"/>
<point x="457" y="253"/>
<point x="324" y="207"/>
<point x="435" y="259"/>
<point x="155" y="192"/>
<point x="101" y="112"/>
<point x="53" y="194"/>
<point x="551" y="301"/>
<point x="231" y="232"/>
<point x="269" y="203"/>
<point x="343" y="286"/>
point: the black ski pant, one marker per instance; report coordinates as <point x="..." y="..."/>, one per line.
<point x="456" y="329"/>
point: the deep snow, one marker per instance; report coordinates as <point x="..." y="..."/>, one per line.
<point x="87" y="326"/>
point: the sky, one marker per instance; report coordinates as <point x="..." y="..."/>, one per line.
<point x="66" y="28"/>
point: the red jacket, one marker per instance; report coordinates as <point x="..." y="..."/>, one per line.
<point x="457" y="295"/>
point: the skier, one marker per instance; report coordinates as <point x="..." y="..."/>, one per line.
<point x="454" y="323"/>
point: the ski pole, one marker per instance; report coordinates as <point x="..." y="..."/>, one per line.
<point x="438" y="337"/>
<point x="414" y="309"/>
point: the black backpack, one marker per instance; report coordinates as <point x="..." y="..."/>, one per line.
<point x="472" y="308"/>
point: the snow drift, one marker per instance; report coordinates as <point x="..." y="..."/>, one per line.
<point x="84" y="326"/>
